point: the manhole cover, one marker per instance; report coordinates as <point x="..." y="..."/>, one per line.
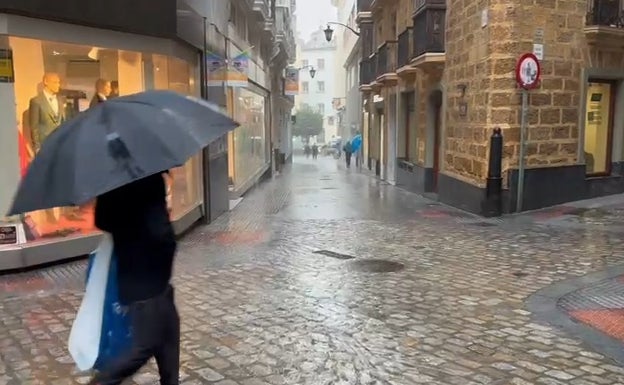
<point x="375" y="266"/>
<point x="333" y="254"/>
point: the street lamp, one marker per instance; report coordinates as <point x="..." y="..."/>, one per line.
<point x="312" y="70"/>
<point x="329" y="32"/>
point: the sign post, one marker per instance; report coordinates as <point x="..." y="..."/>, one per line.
<point x="528" y="74"/>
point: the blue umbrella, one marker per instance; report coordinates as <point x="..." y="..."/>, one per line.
<point x="116" y="143"/>
<point x="356" y="143"/>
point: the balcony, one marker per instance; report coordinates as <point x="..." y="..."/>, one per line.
<point x="605" y="23"/>
<point x="261" y="9"/>
<point x="367" y="74"/>
<point x="386" y="63"/>
<point x="405" y="46"/>
<point x="429" y="28"/>
<point x="364" y="11"/>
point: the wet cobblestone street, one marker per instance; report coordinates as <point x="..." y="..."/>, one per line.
<point x="327" y="276"/>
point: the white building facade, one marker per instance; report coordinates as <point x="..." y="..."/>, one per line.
<point x="348" y="100"/>
<point x="319" y="92"/>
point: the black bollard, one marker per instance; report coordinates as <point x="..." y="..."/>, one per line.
<point x="493" y="205"/>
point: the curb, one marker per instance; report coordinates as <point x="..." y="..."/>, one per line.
<point x="543" y="305"/>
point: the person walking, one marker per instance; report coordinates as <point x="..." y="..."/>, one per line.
<point x="137" y="217"/>
<point x="315" y="151"/>
<point x="348" y="150"/>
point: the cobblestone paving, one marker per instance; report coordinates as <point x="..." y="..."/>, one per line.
<point x="260" y="305"/>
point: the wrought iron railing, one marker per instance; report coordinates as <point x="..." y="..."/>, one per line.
<point x="404" y="47"/>
<point x="382" y="59"/>
<point x="429" y="31"/>
<point x="609" y="13"/>
<point x="366" y="74"/>
<point x="364" y="5"/>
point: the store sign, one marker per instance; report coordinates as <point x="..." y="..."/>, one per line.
<point x="6" y="66"/>
<point x="8" y="235"/>
<point x="219" y="73"/>
<point x="291" y="82"/>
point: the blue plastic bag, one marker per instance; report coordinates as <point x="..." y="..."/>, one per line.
<point x="115" y="339"/>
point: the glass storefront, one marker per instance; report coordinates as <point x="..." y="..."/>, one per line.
<point x="248" y="143"/>
<point x="598" y="124"/>
<point x="56" y="81"/>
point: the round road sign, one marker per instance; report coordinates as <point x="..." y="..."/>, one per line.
<point x="528" y="71"/>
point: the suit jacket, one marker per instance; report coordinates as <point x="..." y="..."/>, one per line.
<point x="95" y="100"/>
<point x="42" y="119"/>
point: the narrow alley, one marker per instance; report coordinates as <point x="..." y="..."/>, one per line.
<point x="326" y="276"/>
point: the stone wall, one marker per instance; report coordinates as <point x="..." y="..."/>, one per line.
<point x="469" y="64"/>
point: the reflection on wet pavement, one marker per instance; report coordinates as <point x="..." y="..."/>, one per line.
<point x="432" y="295"/>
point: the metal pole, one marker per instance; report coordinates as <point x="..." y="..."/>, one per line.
<point x="205" y="150"/>
<point x="522" y="152"/>
<point x="205" y="74"/>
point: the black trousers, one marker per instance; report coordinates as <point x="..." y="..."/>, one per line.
<point x="348" y="158"/>
<point x="156" y="333"/>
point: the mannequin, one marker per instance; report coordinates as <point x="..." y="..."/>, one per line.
<point x="102" y="91"/>
<point x="46" y="110"/>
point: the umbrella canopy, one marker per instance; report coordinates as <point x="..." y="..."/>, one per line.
<point x="115" y="143"/>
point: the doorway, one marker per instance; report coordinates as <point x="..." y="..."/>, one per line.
<point x="434" y="123"/>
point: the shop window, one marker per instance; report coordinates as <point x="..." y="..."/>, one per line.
<point x="54" y="82"/>
<point x="305" y="87"/>
<point x="249" y="140"/>
<point x="599" y="126"/>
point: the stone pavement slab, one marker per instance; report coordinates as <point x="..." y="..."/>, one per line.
<point x="326" y="276"/>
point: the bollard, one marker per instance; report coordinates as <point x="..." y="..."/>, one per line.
<point x="493" y="205"/>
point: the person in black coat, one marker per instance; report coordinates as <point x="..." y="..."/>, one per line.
<point x="137" y="217"/>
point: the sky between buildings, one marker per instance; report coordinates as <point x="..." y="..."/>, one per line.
<point x="311" y="14"/>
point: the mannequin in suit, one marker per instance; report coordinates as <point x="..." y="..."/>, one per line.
<point x="46" y="110"/>
<point x="102" y="90"/>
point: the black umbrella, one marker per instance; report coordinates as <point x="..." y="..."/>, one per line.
<point x="115" y="143"/>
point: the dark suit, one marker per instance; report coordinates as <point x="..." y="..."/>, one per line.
<point x="97" y="99"/>
<point x="42" y="118"/>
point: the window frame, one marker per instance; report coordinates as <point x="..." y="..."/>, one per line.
<point x="612" y="104"/>
<point x="319" y="89"/>
<point x="305" y="87"/>
<point x="320" y="66"/>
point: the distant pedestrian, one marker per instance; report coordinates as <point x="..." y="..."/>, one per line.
<point x="307" y="150"/>
<point x="315" y="151"/>
<point x="348" y="150"/>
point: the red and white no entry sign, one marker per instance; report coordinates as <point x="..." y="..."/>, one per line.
<point x="528" y="71"/>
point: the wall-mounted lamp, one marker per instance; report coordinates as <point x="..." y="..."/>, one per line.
<point x="461" y="88"/>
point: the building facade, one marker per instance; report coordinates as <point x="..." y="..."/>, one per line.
<point x="438" y="77"/>
<point x="318" y="92"/>
<point x="64" y="50"/>
<point x="348" y="100"/>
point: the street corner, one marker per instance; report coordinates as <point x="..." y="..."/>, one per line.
<point x="590" y="308"/>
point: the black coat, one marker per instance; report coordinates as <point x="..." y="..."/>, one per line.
<point x="136" y="216"/>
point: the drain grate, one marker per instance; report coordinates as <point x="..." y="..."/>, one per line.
<point x="484" y="224"/>
<point x="333" y="254"/>
<point x="375" y="266"/>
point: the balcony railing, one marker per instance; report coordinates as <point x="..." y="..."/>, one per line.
<point x="404" y="48"/>
<point x="608" y="13"/>
<point x="386" y="58"/>
<point x="366" y="73"/>
<point x="429" y="25"/>
<point x="364" y="5"/>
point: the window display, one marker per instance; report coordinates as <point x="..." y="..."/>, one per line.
<point x="54" y="82"/>
<point x="249" y="139"/>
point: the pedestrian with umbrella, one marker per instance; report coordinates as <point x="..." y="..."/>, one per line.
<point x="116" y="153"/>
